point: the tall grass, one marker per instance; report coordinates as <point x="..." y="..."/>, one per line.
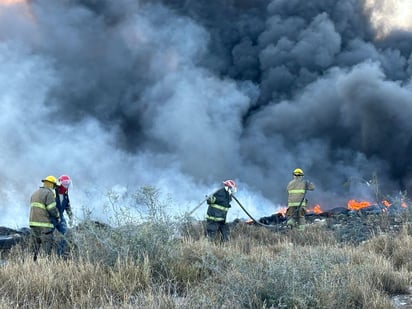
<point x="153" y="261"/>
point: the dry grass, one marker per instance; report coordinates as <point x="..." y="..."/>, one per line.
<point x="398" y="250"/>
<point x="146" y="266"/>
<point x="278" y="272"/>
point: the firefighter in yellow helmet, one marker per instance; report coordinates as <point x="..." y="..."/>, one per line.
<point x="43" y="211"/>
<point x="297" y="201"/>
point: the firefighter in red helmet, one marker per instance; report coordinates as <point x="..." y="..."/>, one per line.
<point x="219" y="204"/>
<point x="297" y="201"/>
<point x="63" y="205"/>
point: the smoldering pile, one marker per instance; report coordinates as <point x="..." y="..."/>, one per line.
<point x="349" y="224"/>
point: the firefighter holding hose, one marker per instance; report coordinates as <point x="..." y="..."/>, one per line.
<point x="219" y="204"/>
<point x="297" y="201"/>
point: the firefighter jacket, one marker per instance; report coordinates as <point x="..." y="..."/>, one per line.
<point x="219" y="204"/>
<point x="297" y="188"/>
<point x="63" y="204"/>
<point x="43" y="208"/>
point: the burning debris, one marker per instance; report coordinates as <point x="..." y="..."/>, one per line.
<point x="356" y="222"/>
<point x="394" y="206"/>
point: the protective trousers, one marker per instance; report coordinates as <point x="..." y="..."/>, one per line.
<point x="215" y="227"/>
<point x="296" y="216"/>
<point x="62" y="244"/>
<point x="43" y="240"/>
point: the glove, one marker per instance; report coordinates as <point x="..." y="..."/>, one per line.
<point x="211" y="200"/>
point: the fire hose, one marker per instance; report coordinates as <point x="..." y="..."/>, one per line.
<point x="249" y="215"/>
<point x="240" y="205"/>
<point x="201" y="203"/>
<point x="198" y="205"/>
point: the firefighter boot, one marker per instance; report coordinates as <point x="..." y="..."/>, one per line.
<point x="291" y="223"/>
<point x="301" y="223"/>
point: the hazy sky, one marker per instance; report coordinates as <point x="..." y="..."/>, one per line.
<point x="182" y="95"/>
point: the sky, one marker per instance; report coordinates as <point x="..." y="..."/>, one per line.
<point x="181" y="95"/>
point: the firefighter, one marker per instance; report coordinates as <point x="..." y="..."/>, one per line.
<point x="63" y="205"/>
<point x="297" y="201"/>
<point x="219" y="204"/>
<point x="43" y="211"/>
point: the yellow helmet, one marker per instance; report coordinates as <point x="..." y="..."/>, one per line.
<point x="298" y="172"/>
<point x="51" y="179"/>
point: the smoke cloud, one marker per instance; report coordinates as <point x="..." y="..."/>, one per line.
<point x="182" y="95"/>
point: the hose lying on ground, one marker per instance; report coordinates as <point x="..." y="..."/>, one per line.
<point x="257" y="222"/>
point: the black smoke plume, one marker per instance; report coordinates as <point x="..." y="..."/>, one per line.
<point x="184" y="94"/>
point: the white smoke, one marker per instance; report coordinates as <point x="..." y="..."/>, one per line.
<point x="192" y="113"/>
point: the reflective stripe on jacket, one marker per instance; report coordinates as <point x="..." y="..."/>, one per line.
<point x="217" y="210"/>
<point x="296" y="191"/>
<point x="43" y="208"/>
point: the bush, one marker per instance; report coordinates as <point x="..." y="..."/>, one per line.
<point x="142" y="260"/>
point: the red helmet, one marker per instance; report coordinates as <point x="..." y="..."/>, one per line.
<point x="65" y="181"/>
<point x="230" y="183"/>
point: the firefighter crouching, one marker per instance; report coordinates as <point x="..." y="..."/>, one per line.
<point x="297" y="201"/>
<point x="219" y="204"/>
<point x="42" y="213"/>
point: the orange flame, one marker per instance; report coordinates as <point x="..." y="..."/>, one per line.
<point x="386" y="203"/>
<point x="282" y="211"/>
<point x="316" y="209"/>
<point x="354" y="205"/>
